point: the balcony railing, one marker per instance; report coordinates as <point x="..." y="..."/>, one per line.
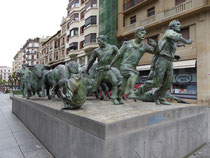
<point x="131" y="4"/>
<point x="148" y="21"/>
<point x="166" y="14"/>
<point x="130" y="27"/>
<point x="180" y="8"/>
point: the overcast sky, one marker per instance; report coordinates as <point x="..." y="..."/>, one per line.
<point x="23" y="19"/>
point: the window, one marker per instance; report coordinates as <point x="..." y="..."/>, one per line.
<point x="51" y="45"/>
<point x="74" y="3"/>
<point x="150" y="11"/>
<point x="82" y="43"/>
<point x="94" y="3"/>
<point x="91" y="3"/>
<point x="90" y="21"/>
<point x="56" y="56"/>
<point x="185" y="32"/>
<point x="73" y="46"/>
<point x="50" y="57"/>
<point x="133" y="19"/>
<point x="55" y="44"/>
<point x="74" y="17"/>
<point x="73" y="32"/>
<point x="90" y="38"/>
<point x="177" y="2"/>
<point x="88" y="5"/>
<point x="82" y="29"/>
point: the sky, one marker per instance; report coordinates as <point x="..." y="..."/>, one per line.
<point x="24" y="19"/>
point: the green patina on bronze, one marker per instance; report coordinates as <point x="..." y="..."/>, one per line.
<point x="151" y="97"/>
<point x="105" y="53"/>
<point x="161" y="74"/>
<point x="76" y="88"/>
<point x="55" y="78"/>
<point x="130" y="54"/>
<point x="76" y="91"/>
<point x="23" y="75"/>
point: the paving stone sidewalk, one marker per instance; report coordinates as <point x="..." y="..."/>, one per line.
<point x="16" y="141"/>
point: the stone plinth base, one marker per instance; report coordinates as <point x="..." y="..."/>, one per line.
<point x="103" y="130"/>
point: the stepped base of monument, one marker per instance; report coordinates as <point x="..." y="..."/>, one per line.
<point x="103" y="130"/>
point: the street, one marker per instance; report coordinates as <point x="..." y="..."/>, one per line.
<point x="16" y="141"/>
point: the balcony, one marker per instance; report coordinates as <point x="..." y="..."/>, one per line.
<point x="167" y="15"/>
<point x="73" y="53"/>
<point x="75" y="9"/>
<point x="74" y="38"/>
<point x="74" y="24"/>
<point x="131" y="4"/>
<point x="90" y="12"/>
<point x="93" y="28"/>
<point x="90" y="46"/>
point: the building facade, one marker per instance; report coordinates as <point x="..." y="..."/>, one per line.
<point x="82" y="29"/>
<point x="50" y="51"/>
<point x="5" y="72"/>
<point x="18" y="60"/>
<point x="30" y="49"/>
<point x="191" y="72"/>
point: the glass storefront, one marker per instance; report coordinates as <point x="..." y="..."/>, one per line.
<point x="184" y="82"/>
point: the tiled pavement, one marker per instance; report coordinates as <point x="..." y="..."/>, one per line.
<point x="16" y="141"/>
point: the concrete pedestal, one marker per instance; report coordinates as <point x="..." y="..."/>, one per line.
<point x="103" y="130"/>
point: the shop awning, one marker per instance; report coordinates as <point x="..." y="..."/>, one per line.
<point x="176" y="65"/>
<point x="184" y="64"/>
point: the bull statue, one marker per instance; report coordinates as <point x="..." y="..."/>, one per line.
<point x="55" y="79"/>
<point x="35" y="81"/>
<point x="75" y="89"/>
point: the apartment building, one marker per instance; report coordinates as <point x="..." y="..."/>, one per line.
<point x="18" y="60"/>
<point x="191" y="72"/>
<point x="30" y="49"/>
<point x="49" y="50"/>
<point x="82" y="29"/>
<point x="5" y="72"/>
<point x="63" y="55"/>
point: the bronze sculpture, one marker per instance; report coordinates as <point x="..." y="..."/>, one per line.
<point x="76" y="88"/>
<point x="23" y="74"/>
<point x="105" y="53"/>
<point x="55" y="78"/>
<point x="161" y="74"/>
<point x="130" y="54"/>
<point x="72" y="86"/>
<point x="35" y="81"/>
